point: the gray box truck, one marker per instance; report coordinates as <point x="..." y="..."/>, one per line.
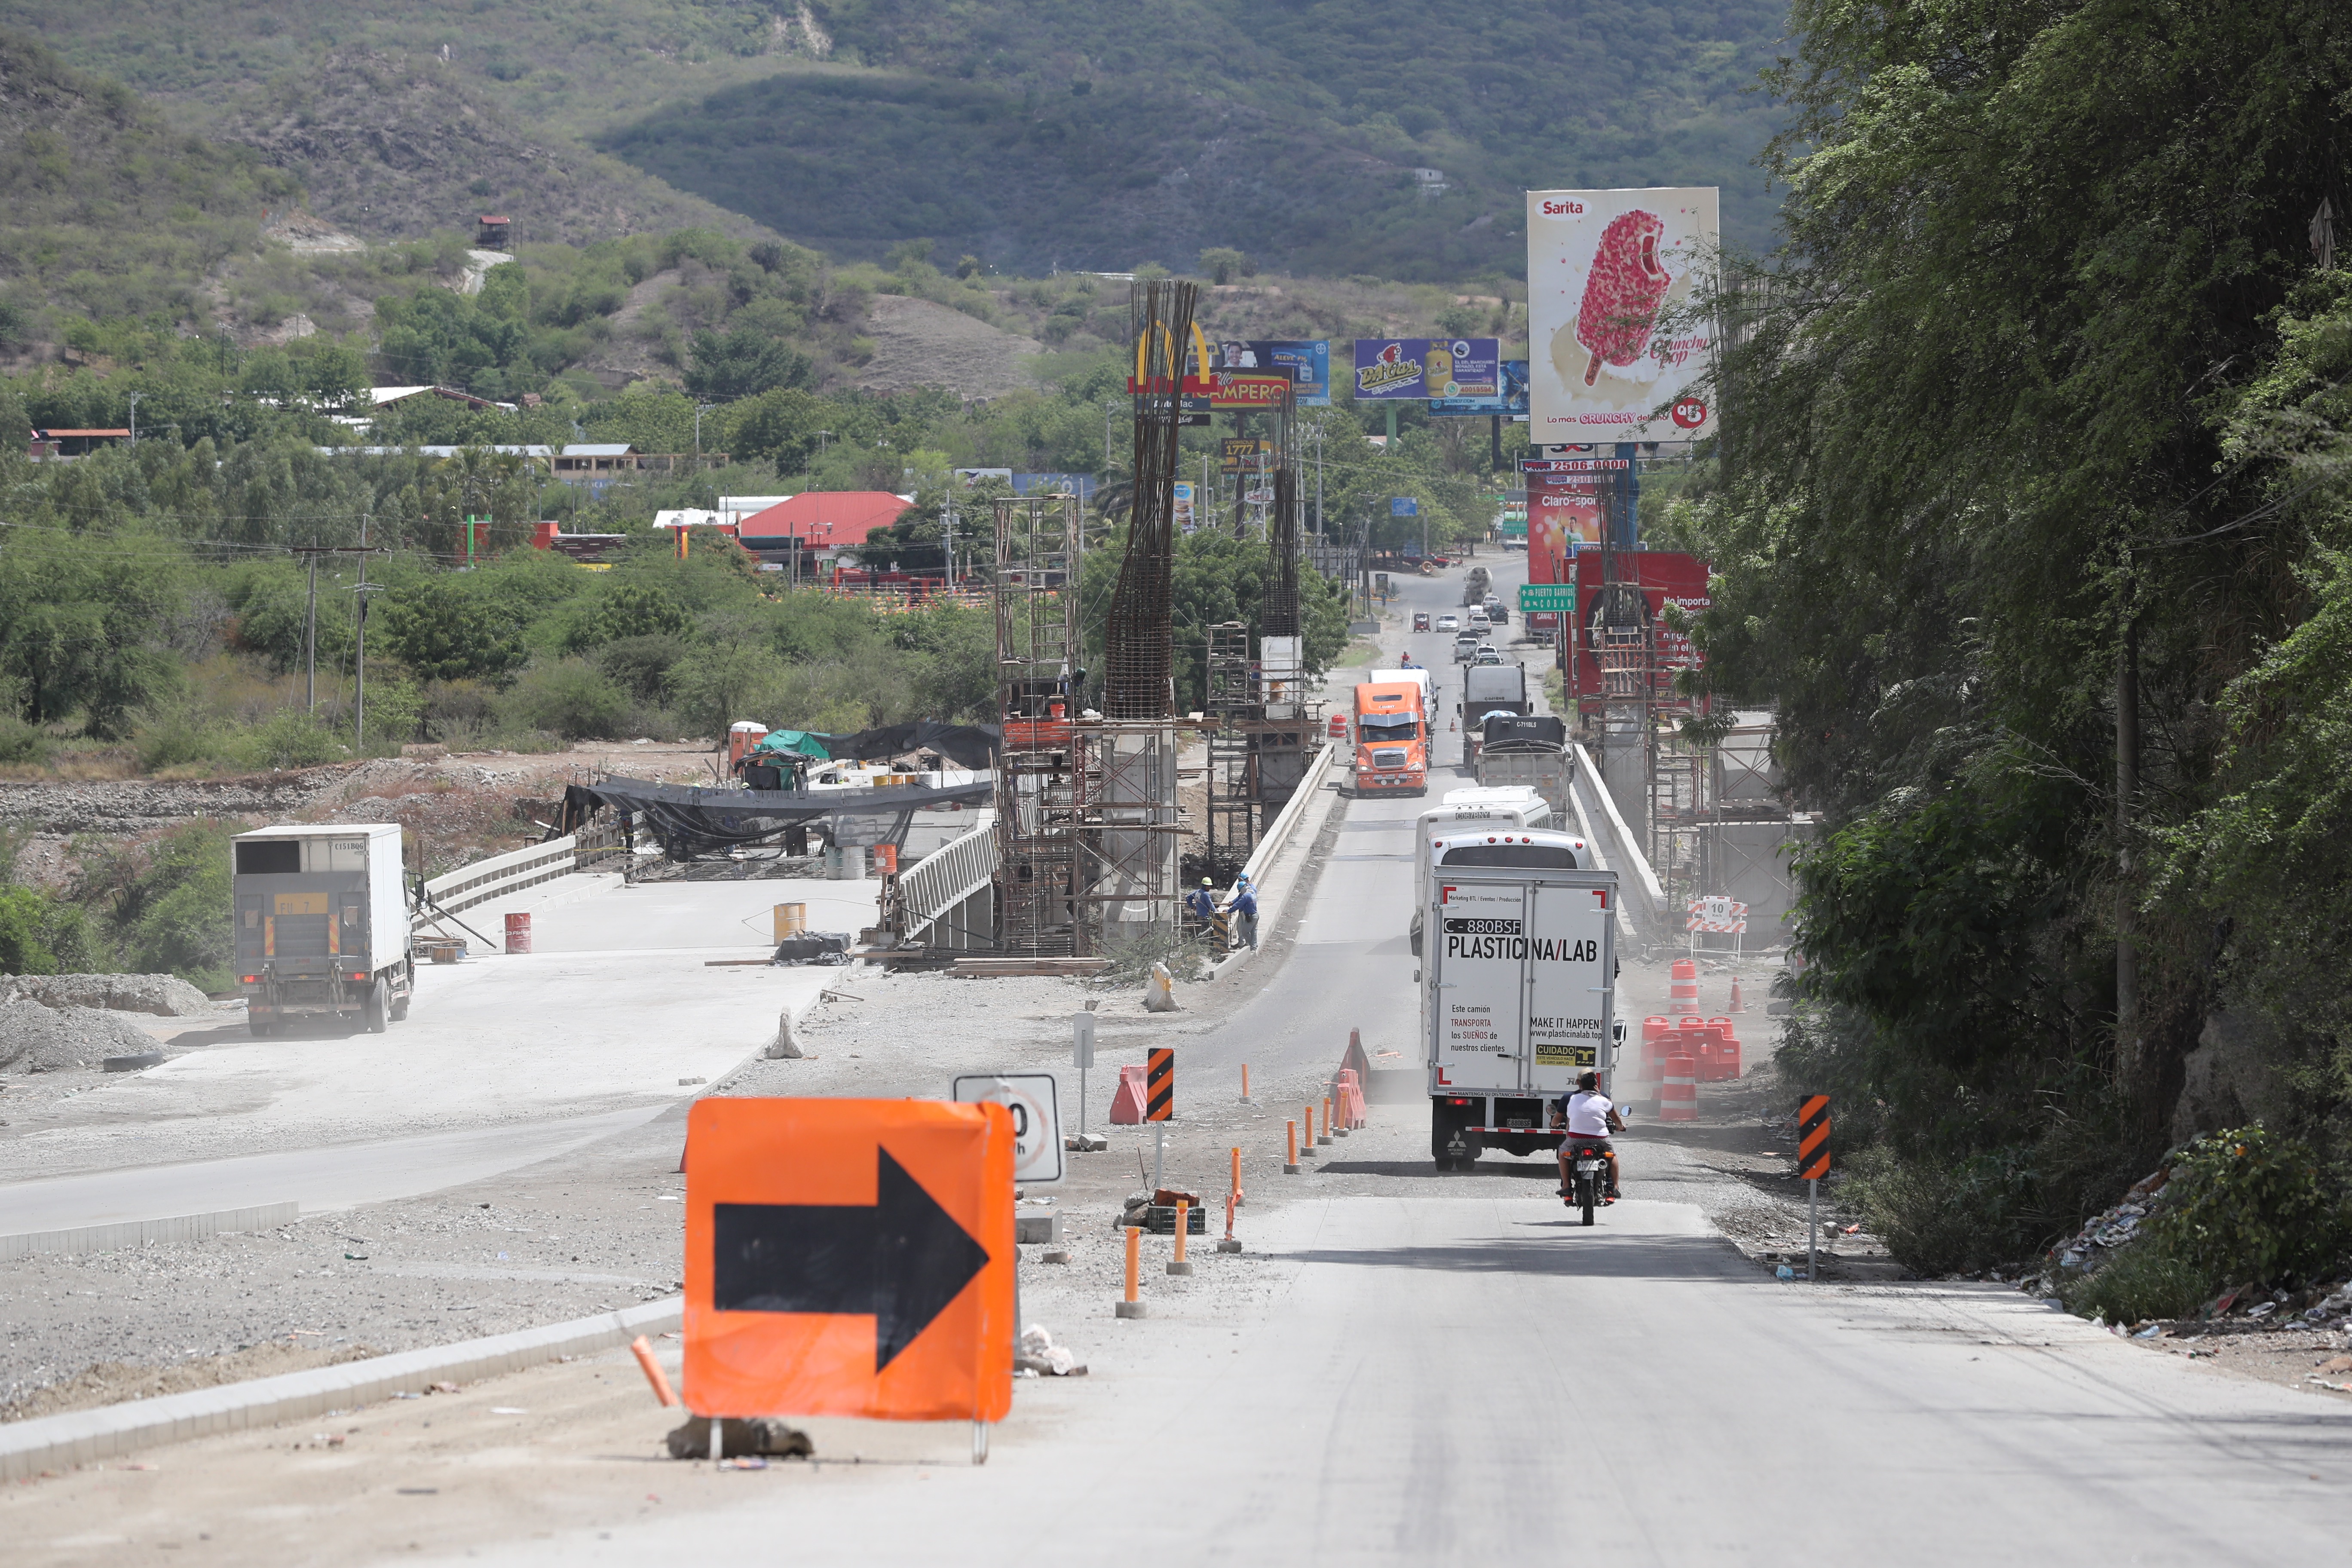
<point x="322" y="925"/>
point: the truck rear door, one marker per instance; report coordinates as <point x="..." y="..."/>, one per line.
<point x="1571" y="966"/>
<point x="1479" y="999"/>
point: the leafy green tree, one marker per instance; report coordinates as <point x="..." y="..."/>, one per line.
<point x="40" y="934"/>
<point x="443" y="632"/>
<point x="744" y="362"/>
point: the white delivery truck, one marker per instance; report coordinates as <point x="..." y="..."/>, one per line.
<point x="322" y="925"/>
<point x="1461" y="810"/>
<point x="1518" y="980"/>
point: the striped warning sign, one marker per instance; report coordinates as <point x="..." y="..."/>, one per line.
<point x="1160" y="1087"/>
<point x="1813" y="1138"/>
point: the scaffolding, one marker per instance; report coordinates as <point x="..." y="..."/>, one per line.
<point x="1040" y="787"/>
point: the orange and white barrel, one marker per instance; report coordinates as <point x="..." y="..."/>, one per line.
<point x="1684" y="990"/>
<point x="1678" y="1096"/>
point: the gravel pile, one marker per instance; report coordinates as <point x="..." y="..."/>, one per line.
<point x="165" y="996"/>
<point x="34" y="1038"/>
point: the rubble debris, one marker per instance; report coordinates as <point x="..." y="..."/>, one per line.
<point x="164" y="996"/>
<point x="37" y="1038"/>
<point x="759" y="1435"/>
<point x="1038" y="1354"/>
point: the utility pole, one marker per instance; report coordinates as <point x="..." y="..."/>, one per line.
<point x="2127" y="1052"/>
<point x="947" y="534"/>
<point x="1318" y="484"/>
<point x="359" y="656"/>
<point x="699" y="410"/>
<point x="310" y="642"/>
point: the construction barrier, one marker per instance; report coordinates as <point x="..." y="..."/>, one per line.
<point x="1351" y="1108"/>
<point x="1126" y="1103"/>
<point x="1678" y="1096"/>
<point x="1290" y="1148"/>
<point x="1178" y="1264"/>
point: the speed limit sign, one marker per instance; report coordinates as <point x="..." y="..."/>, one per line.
<point x="1037" y="1121"/>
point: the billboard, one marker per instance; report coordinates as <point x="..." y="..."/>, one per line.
<point x="1563" y="518"/>
<point x="1243" y="453"/>
<point x="1664" y="578"/>
<point x="1611" y="276"/>
<point x="1306" y="361"/>
<point x="1512" y="403"/>
<point x="1428" y="367"/>
<point x="1184" y="518"/>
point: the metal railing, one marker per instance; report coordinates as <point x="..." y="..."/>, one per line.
<point x="947" y="877"/>
<point x="485" y="879"/>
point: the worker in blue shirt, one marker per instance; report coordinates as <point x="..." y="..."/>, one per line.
<point x="1243" y="906"/>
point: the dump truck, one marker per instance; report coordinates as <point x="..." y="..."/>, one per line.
<point x="1474" y="586"/>
<point x="322" y="925"/>
<point x="1526" y="749"/>
<point x="1517" y="984"/>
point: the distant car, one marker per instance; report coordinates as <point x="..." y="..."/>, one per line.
<point x="1449" y="623"/>
<point x="1488" y="655"/>
<point x="1465" y="649"/>
<point x="1420" y="620"/>
<point x="1498" y="615"/>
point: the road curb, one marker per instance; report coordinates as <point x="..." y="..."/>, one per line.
<point x="86" y="1437"/>
<point x="140" y="1232"/>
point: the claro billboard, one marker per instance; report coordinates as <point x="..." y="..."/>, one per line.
<point x="1614" y="352"/>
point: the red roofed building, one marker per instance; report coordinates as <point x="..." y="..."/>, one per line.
<point x="820" y="524"/>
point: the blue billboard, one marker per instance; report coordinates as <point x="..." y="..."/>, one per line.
<point x="1428" y="367"/>
<point x="1512" y="403"/>
<point x="1307" y="361"/>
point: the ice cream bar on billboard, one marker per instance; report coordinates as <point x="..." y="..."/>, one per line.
<point x="1618" y="347"/>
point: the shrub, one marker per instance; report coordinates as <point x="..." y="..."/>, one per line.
<point x="573" y="699"/>
<point x="2142" y="1280"/>
<point x="2248" y="1205"/>
<point x="24" y="743"/>
<point x="168" y="738"/>
<point x="40" y="934"/>
<point x="290" y="739"/>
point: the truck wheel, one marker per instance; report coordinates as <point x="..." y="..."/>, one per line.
<point x="377" y="1012"/>
<point x="258" y="1029"/>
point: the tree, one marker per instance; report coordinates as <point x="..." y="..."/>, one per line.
<point x="1222" y="262"/>
<point x="743" y="362"/>
<point x="443" y="632"/>
<point x="1982" y="496"/>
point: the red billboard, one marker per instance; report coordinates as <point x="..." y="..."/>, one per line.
<point x="1664" y="578"/>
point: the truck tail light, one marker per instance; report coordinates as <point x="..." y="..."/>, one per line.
<point x="358" y="976"/>
<point x="249" y="979"/>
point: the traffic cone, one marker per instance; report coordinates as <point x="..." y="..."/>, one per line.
<point x="1737" y="1004"/>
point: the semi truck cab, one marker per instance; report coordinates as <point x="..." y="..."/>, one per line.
<point x="1391" y="737"/>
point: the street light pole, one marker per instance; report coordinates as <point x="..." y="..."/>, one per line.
<point x="135" y="418"/>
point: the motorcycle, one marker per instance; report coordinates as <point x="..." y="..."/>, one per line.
<point x="1589" y="1165"/>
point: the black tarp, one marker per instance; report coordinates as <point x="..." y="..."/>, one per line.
<point x="966" y="746"/>
<point x="692" y="821"/>
<point x="1523" y="732"/>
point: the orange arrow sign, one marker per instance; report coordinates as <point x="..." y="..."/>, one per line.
<point x="849" y="1257"/>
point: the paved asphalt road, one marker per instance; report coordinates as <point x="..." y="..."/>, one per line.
<point x="1413" y="1371"/>
<point x="1433" y="1379"/>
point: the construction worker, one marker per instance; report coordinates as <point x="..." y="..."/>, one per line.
<point x="1203" y="902"/>
<point x="1243" y="905"/>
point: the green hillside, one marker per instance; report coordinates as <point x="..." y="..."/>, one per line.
<point x="1048" y="134"/>
<point x="103" y="207"/>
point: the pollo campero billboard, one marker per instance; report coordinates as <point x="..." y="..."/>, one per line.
<point x="1612" y="352"/>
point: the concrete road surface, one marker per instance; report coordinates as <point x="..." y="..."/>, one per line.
<point x="1400" y="1369"/>
<point x="504" y="1060"/>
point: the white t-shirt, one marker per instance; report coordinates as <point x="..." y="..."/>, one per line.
<point x="1587" y="1115"/>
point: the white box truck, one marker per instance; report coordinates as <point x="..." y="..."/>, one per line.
<point x="1489" y="810"/>
<point x="322" y="925"/>
<point x="1518" y="984"/>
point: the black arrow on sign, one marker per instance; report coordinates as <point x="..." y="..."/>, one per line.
<point x="899" y="1260"/>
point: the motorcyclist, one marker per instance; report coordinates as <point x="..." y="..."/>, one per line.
<point x="1591" y="1118"/>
